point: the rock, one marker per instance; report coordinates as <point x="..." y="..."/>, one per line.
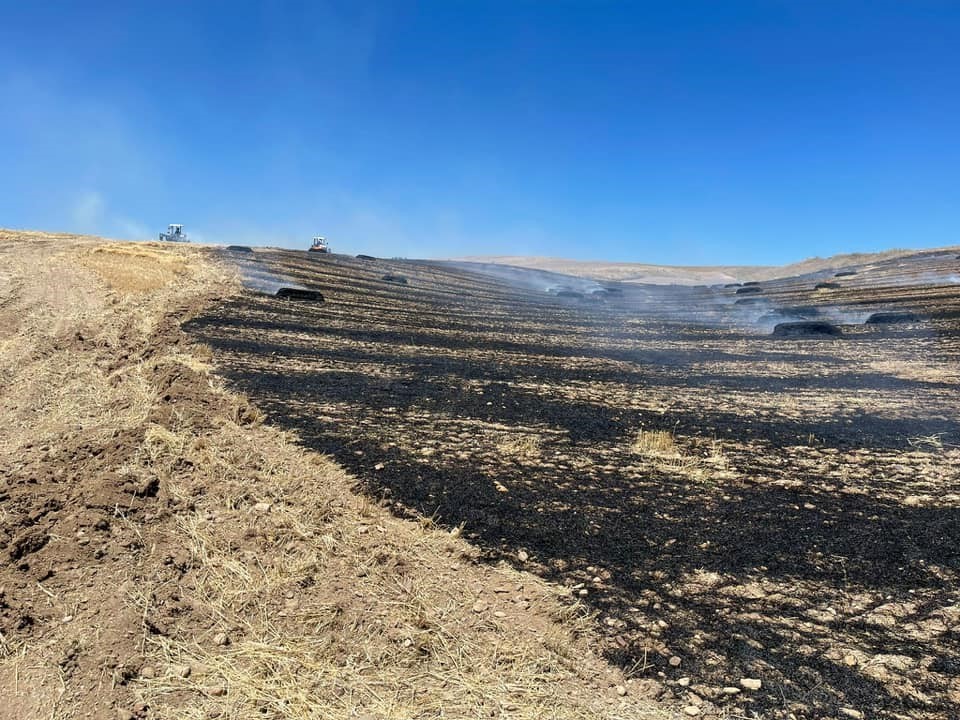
<point x="182" y="671"/>
<point x="729" y="690"/>
<point x="522" y="556"/>
<point x="148" y="672"/>
<point x="621" y="690"/>
<point x="751" y="683"/>
<point x="851" y="713"/>
<point x="216" y="690"/>
<point x="261" y="507"/>
<point x="480" y="605"/>
<point x="683" y="682"/>
<point x="691" y="710"/>
<point x="675" y="661"/>
<point x="850" y="660"/>
<point x="499" y="614"/>
<point x="221" y="639"/>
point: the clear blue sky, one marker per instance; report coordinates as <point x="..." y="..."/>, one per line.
<point x="720" y="131"/>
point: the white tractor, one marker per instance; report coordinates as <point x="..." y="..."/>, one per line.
<point x="320" y="245"/>
<point x="174" y="233"/>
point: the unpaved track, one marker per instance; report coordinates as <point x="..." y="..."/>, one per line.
<point x="804" y="530"/>
<point x="163" y="554"/>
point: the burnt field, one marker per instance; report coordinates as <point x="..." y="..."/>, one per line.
<point x="734" y="502"/>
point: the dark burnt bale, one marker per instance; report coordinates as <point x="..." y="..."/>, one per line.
<point x="572" y="294"/>
<point x="826" y="286"/>
<point x="806" y="328"/>
<point x="614" y="291"/>
<point x="365" y="257"/>
<point x="751" y="290"/>
<point x="752" y="283"/>
<point x="399" y="279"/>
<point x="892" y="318"/>
<point x="732" y="285"/>
<point x="239" y="248"/>
<point x="845" y="273"/>
<point x="750" y="301"/>
<point x="289" y="293"/>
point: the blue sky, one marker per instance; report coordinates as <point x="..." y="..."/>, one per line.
<point x="668" y="132"/>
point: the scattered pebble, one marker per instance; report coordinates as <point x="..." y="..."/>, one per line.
<point x="683" y="682"/>
<point x="480" y="605"/>
<point x="850" y="660"/>
<point x="216" y="690"/>
<point x="148" y="672"/>
<point x="262" y="507"/>
<point x="522" y="556"/>
<point x="751" y="683"/>
<point x="221" y="639"/>
<point x="850" y="712"/>
<point x="182" y="671"/>
<point x="675" y="661"/>
<point x="729" y="690"/>
<point x="621" y="690"/>
<point x="691" y="710"/>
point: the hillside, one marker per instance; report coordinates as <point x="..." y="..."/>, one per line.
<point x="169" y="554"/>
<point x="691" y="275"/>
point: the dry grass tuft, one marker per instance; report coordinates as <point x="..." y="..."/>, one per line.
<point x="525" y="447"/>
<point x="659" y="443"/>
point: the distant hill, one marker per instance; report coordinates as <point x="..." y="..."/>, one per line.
<point x="691" y="275"/>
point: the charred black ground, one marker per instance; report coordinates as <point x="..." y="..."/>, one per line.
<point x="803" y="528"/>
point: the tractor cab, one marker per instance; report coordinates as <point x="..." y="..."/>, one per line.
<point x="320" y="245"/>
<point x="174" y="233"/>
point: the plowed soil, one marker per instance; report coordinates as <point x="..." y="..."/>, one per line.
<point x="733" y="506"/>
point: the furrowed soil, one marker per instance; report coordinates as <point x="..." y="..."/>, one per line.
<point x="164" y="553"/>
<point x="451" y="493"/>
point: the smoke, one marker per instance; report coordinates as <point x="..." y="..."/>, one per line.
<point x="255" y="276"/>
<point x="528" y="278"/>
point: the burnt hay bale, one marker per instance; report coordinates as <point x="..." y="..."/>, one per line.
<point x="749" y="290"/>
<point x="732" y="285"/>
<point x="752" y="283"/>
<point x="573" y="294"/>
<point x="806" y="328"/>
<point x="398" y="279"/>
<point x="614" y="290"/>
<point x="365" y="257"/>
<point x="892" y="318"/>
<point x="750" y="301"/>
<point x="239" y="248"/>
<point x="289" y="293"/>
<point x="845" y="273"/>
<point x="826" y="286"/>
